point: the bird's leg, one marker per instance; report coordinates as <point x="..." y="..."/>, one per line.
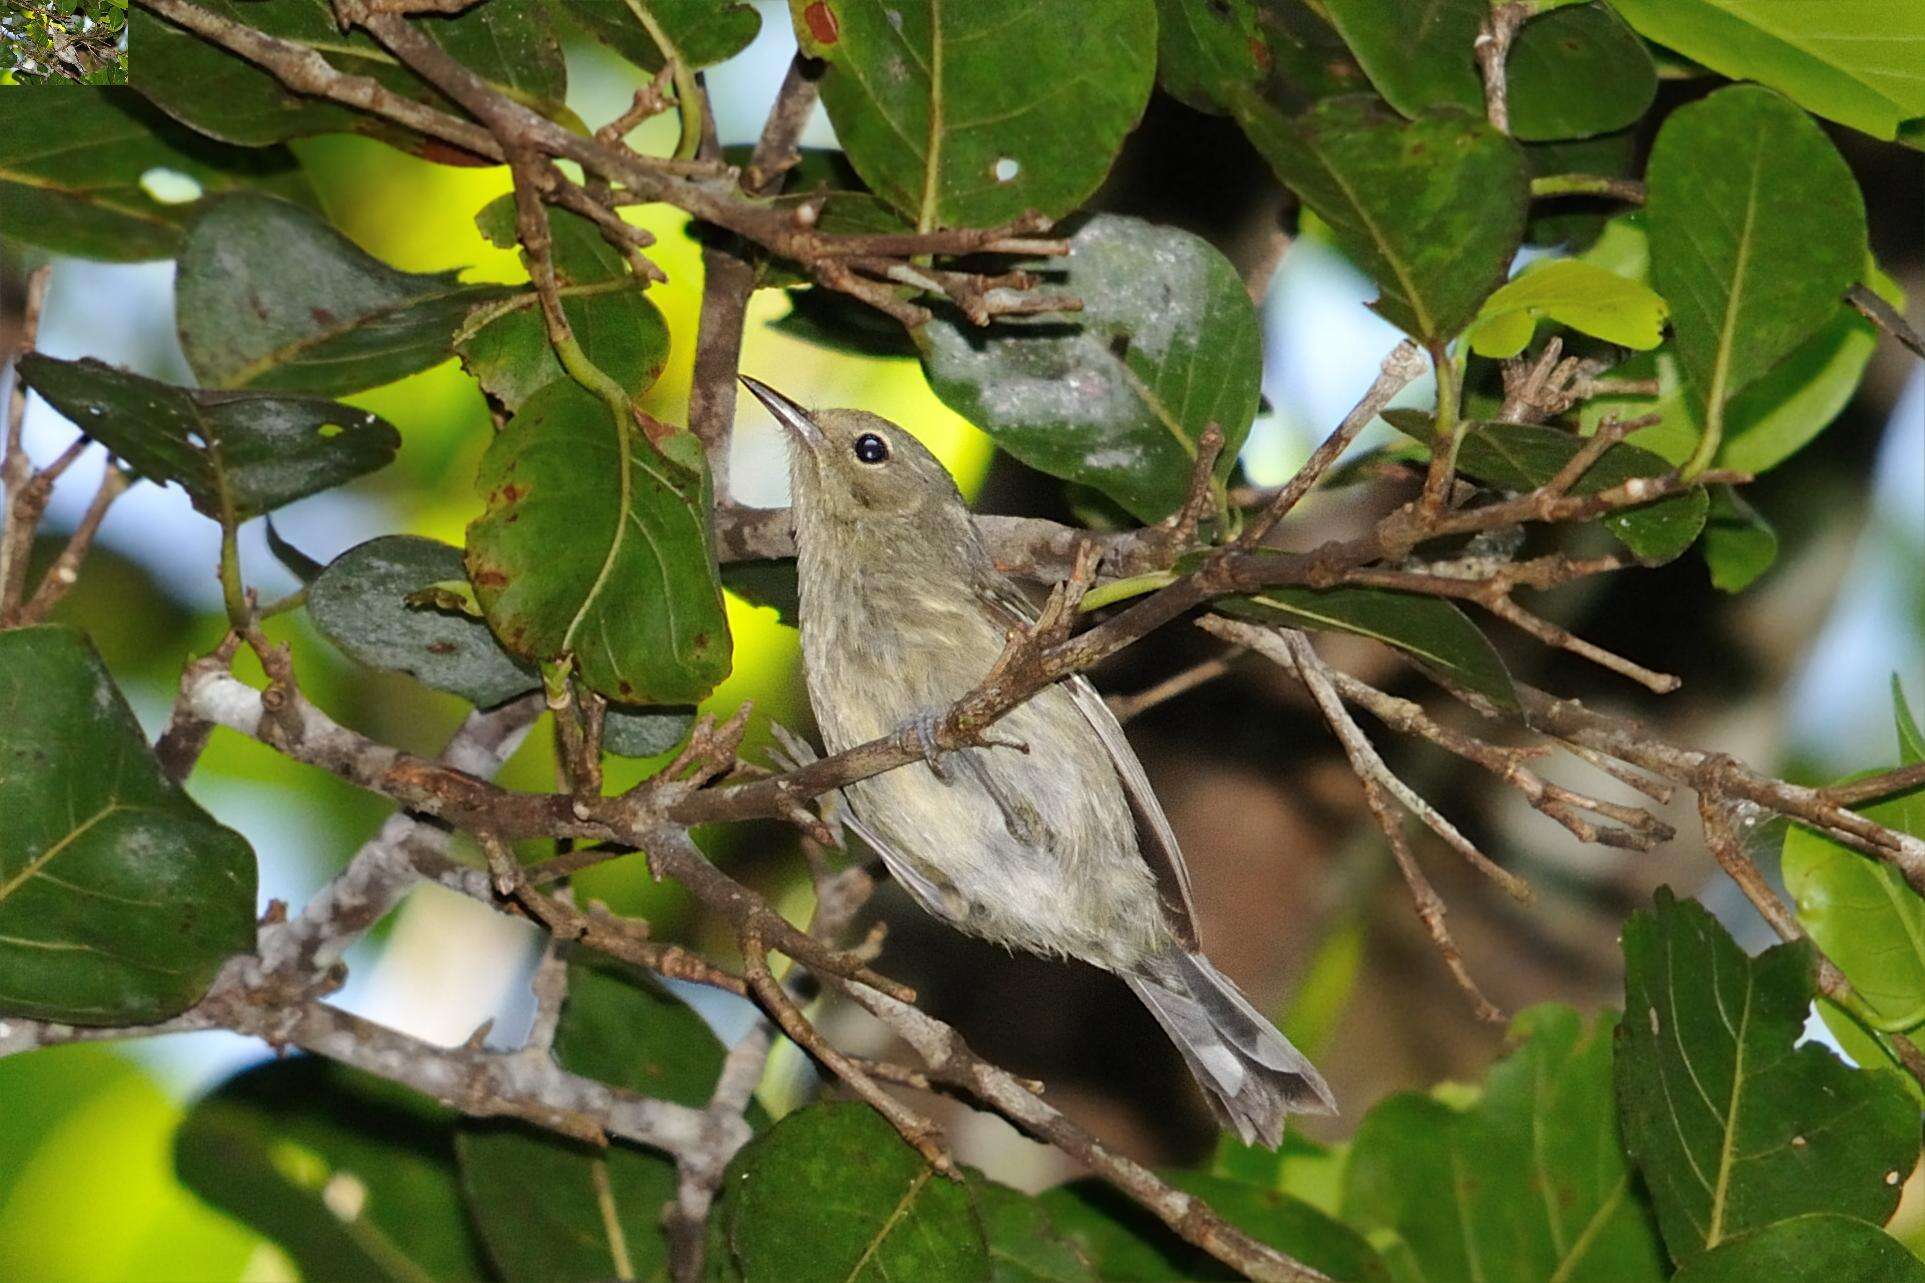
<point x="1019" y="816"/>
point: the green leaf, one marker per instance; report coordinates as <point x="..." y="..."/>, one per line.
<point x="1862" y="914"/>
<point x="970" y="114"/>
<point x="271" y="296"/>
<point x="99" y="173"/>
<point x="1123" y="1241"/>
<point x="703" y="32"/>
<point x="509" y="43"/>
<point x="504" y="344"/>
<point x="351" y="1176"/>
<point x="1571" y="73"/>
<point x="1739" y="545"/>
<point x="1431" y="209"/>
<point x="1569" y="292"/>
<point x="1432" y="631"/>
<point x="1820" y="1248"/>
<point x="831" y="1193"/>
<point x="1528" y="1183"/>
<point x="1212" y="54"/>
<point x="1300" y="1167"/>
<point x="360" y="603"/>
<point x="554" y="1209"/>
<point x="119" y="897"/>
<point x="1730" y="1125"/>
<point x="1853" y="63"/>
<point x="1757" y="229"/>
<point x="1911" y="742"/>
<point x="1523" y="456"/>
<point x="236" y="454"/>
<point x="1117" y="395"/>
<point x="1024" y="1244"/>
<point x="1577" y="72"/>
<point x="596" y="544"/>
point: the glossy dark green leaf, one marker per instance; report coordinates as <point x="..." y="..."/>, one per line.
<point x="504" y="343"/>
<point x="1024" y="1244"/>
<point x="596" y="544"/>
<point x="1820" y="1248"/>
<point x="1739" y="545"/>
<point x="1576" y="72"/>
<point x="1853" y="63"/>
<point x="1432" y="209"/>
<point x="968" y="115"/>
<point x="509" y="43"/>
<point x="700" y="32"/>
<point x="1523" y="456"/>
<point x="351" y="1176"/>
<point x="1730" y="1125"/>
<point x="893" y="1217"/>
<point x="1572" y="72"/>
<point x="99" y="173"/>
<point x="1528" y="1183"/>
<point x="1217" y="55"/>
<point x="1757" y="229"/>
<point x="1114" y="396"/>
<point x="119" y="897"/>
<point x="1430" y="630"/>
<point x="236" y="454"/>
<point x="1123" y="1241"/>
<point x="270" y="296"/>
<point x="766" y="583"/>
<point x="360" y="603"/>
<point x="554" y="1209"/>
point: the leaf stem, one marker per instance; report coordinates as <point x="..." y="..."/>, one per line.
<point x="233" y="592"/>
<point x="1123" y="589"/>
<point x="1625" y="189"/>
<point x="689" y="103"/>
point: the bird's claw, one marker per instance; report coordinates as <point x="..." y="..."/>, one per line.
<point x="924" y="726"/>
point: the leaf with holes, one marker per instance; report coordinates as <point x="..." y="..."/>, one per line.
<point x="509" y="43"/>
<point x="1117" y="395"/>
<point x="1730" y="1125"/>
<point x="1122" y="1241"/>
<point x="700" y="32"/>
<point x="552" y="1210"/>
<point x="1569" y="292"/>
<point x="1527" y="1182"/>
<point x="1431" y="209"/>
<point x="504" y="344"/>
<point x="1757" y="229"/>
<point x="353" y="1177"/>
<point x="119" y="897"/>
<point x="236" y="454"/>
<point x="831" y="1194"/>
<point x="595" y="543"/>
<point x="1853" y="63"/>
<point x="1430" y="630"/>
<point x="99" y="173"/>
<point x="271" y="296"/>
<point x="969" y="113"/>
<point x="1571" y="73"/>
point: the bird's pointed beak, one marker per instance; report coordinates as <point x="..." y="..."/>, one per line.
<point x="786" y="412"/>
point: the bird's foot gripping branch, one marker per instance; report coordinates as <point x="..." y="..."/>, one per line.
<point x="1583" y="419"/>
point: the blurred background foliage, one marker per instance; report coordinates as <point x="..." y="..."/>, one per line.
<point x="1293" y="887"/>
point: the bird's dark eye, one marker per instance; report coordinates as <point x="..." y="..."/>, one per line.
<point x="871" y="448"/>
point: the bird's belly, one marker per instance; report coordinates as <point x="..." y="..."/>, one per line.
<point x="1047" y="862"/>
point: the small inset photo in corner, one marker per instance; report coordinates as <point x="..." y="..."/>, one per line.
<point x="63" y="42"/>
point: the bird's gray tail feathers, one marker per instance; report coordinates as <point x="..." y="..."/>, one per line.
<point x="1249" y="1072"/>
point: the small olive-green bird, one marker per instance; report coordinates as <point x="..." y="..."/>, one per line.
<point x="1062" y="850"/>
